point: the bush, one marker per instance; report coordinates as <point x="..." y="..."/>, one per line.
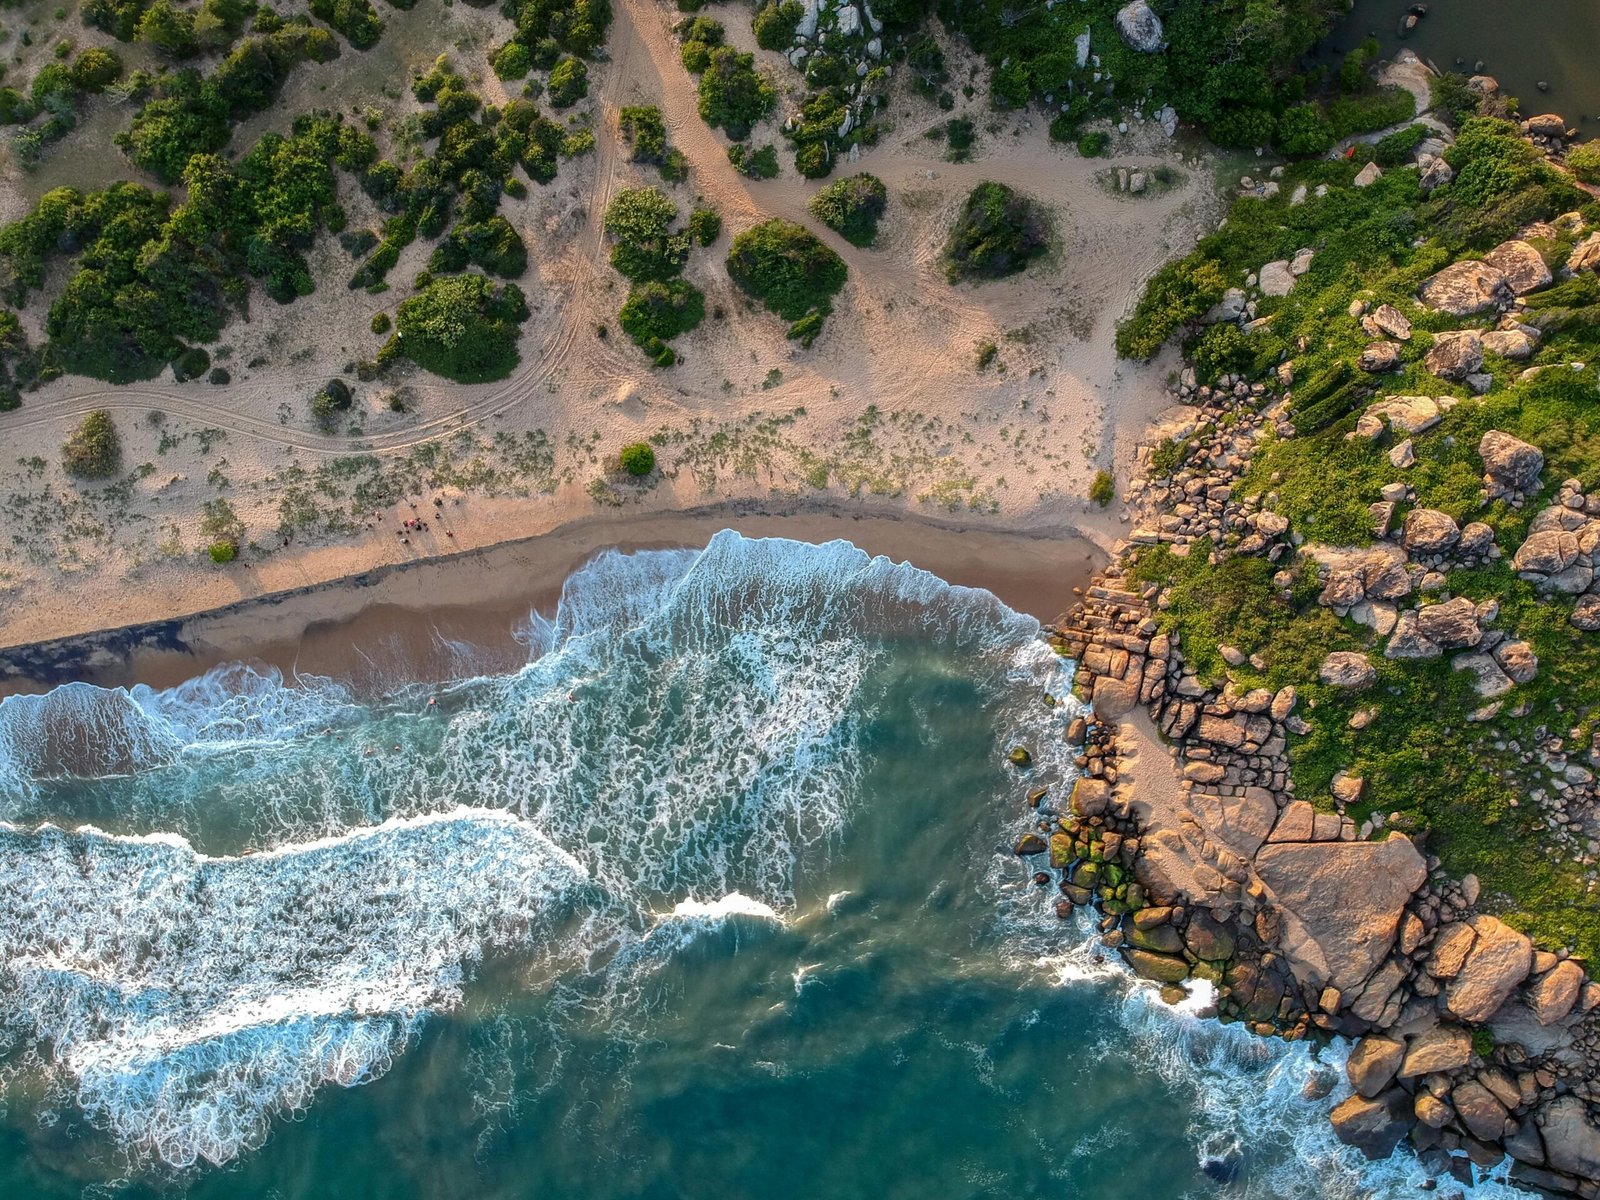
<point x="785" y="267"/>
<point x="1222" y="349"/>
<point x="169" y="29"/>
<point x="1093" y="145"/>
<point x="1351" y="115"/>
<point x="756" y="164"/>
<point x="657" y="311"/>
<point x="356" y="19"/>
<point x="569" y="82"/>
<point x="1304" y="130"/>
<point x="191" y="364"/>
<point x="638" y="459"/>
<point x="960" y="136"/>
<point x="1584" y="162"/>
<point x="1395" y="149"/>
<point x="640" y="219"/>
<point x="331" y="399"/>
<point x="93" y="450"/>
<point x="512" y="61"/>
<point x="705" y="226"/>
<point x="852" y="207"/>
<point x="380" y="322"/>
<point x="1180" y="292"/>
<point x="700" y="36"/>
<point x="644" y="129"/>
<point x="94" y="69"/>
<point x="220" y="376"/>
<point x="223" y="552"/>
<point x="461" y="327"/>
<point x="733" y="94"/>
<point x="998" y="233"/>
<point x="1103" y="490"/>
<point x="775" y="24"/>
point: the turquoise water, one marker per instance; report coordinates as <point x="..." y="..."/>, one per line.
<point x="709" y="900"/>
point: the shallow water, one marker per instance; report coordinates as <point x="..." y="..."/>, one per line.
<point x="1553" y="41"/>
<point x="711" y="899"/>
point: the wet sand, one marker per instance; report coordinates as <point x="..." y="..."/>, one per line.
<point x="445" y="616"/>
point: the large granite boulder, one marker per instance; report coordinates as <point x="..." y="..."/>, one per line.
<point x="1442" y="1048"/>
<point x="1276" y="279"/>
<point x="1379" y="357"/>
<point x="1552" y="996"/>
<point x="1508" y="343"/>
<point x="1585" y="255"/>
<point x="1388" y="320"/>
<point x="1452" y="624"/>
<point x="1455" y="355"/>
<point x="1429" y="531"/>
<point x="1483" y="1115"/>
<point x="1571" y="1140"/>
<point x="1498" y="961"/>
<point x="1141" y="28"/>
<point x="1404" y="414"/>
<point x="1373" y="1126"/>
<point x="1522" y="266"/>
<point x="1465" y="288"/>
<point x="1373" y="1063"/>
<point x="1547" y="552"/>
<point x="1546" y="125"/>
<point x="1511" y="466"/>
<point x="1347" y="669"/>
<point x="1341" y="903"/>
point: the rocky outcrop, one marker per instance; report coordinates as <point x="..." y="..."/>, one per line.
<point x="1585" y="255"/>
<point x="1523" y="267"/>
<point x="1498" y="961"/>
<point x="1511" y="466"/>
<point x="1456" y="355"/>
<point x="1404" y="414"/>
<point x="1141" y="28"/>
<point x="1465" y="288"/>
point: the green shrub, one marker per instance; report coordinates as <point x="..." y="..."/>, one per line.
<point x="987" y="352"/>
<point x="638" y="459"/>
<point x="223" y="552"/>
<point x="1584" y="161"/>
<point x="1222" y="349"/>
<point x="330" y="400"/>
<point x="640" y="219"/>
<point x="220" y="376"/>
<point x="785" y="267"/>
<point x="1180" y="292"/>
<point x="852" y="207"/>
<point x="380" y="322"/>
<point x="660" y="310"/>
<point x="1395" y="149"/>
<point x="356" y="19"/>
<point x="461" y="327"/>
<point x="701" y="35"/>
<point x="1353" y="75"/>
<point x="493" y="245"/>
<point x="813" y="160"/>
<point x="1351" y="115"/>
<point x="1094" y="144"/>
<point x="1453" y="99"/>
<point x="512" y="61"/>
<point x="1304" y="130"/>
<point x="775" y="23"/>
<point x="756" y="164"/>
<point x="1103" y="490"/>
<point x="576" y="26"/>
<point x="644" y="129"/>
<point x="169" y="29"/>
<point x="93" y="450"/>
<point x="998" y="233"/>
<point x="94" y="69"/>
<point x="569" y="82"/>
<point x="733" y="94"/>
<point x="959" y="136"/>
<point x="191" y="364"/>
<point x="705" y="226"/>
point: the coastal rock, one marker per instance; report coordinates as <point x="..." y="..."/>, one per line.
<point x="1522" y="266"/>
<point x="1379" y="357"/>
<point x="1429" y="531"/>
<point x="1373" y="1063"/>
<point x="1208" y="940"/>
<point x="1455" y="355"/>
<point x="1373" y="1126"/>
<point x="1441" y="1049"/>
<point x="1482" y="1114"/>
<point x="1090" y="797"/>
<point x="1465" y="288"/>
<point x="1452" y="624"/>
<point x="1585" y="255"/>
<point x="1546" y="125"/>
<point x="1510" y="465"/>
<point x="1499" y="960"/>
<point x="1030" y="844"/>
<point x="1140" y="28"/>
<point x="1347" y="669"/>
<point x="1571" y="1140"/>
<point x="1114" y="698"/>
<point x="1342" y="901"/>
<point x="1162" y="968"/>
<point x="1554" y="993"/>
<point x="1450" y="947"/>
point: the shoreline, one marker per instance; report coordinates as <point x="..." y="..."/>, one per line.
<point x="416" y="617"/>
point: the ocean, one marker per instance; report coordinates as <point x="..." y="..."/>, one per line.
<point x="712" y="898"/>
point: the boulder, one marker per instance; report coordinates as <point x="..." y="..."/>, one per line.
<point x="1388" y="319"/>
<point x="1586" y="613"/>
<point x="1499" y="960"/>
<point x="1368" y="175"/>
<point x="1476" y="538"/>
<point x="1546" y="125"/>
<point x="1379" y="357"/>
<point x="1407" y="641"/>
<point x="1508" y="343"/>
<point x="1522" y="266"/>
<point x="1030" y="844"/>
<point x="1161" y="939"/>
<point x="1571" y="1140"/>
<point x="1301" y="262"/>
<point x="1482" y="1114"/>
<point x="1517" y="660"/>
<point x="1465" y="288"/>
<point x="1347" y="669"/>
<point x="1373" y="1126"/>
<point x="1441" y="1049"/>
<point x="1404" y="414"/>
<point x="1373" y="1063"/>
<point x="1450" y="947"/>
<point x="1090" y="797"/>
<point x="1553" y="994"/>
<point x="1585" y="255"/>
<point x="1435" y="172"/>
<point x="1547" y="552"/>
<point x="1455" y="355"/>
<point x="1141" y="28"/>
<point x="1490" y="681"/>
<point x="1113" y="698"/>
<point x="1276" y="279"/>
<point x="1163" y="968"/>
<point x="1452" y="624"/>
<point x="1342" y="903"/>
<point x="1208" y="939"/>
<point x="1429" y="531"/>
<point x="1510" y="465"/>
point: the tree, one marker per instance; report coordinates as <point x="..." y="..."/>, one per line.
<point x="1584" y="162"/>
<point x="789" y="270"/>
<point x="776" y="22"/>
<point x="852" y="207"/>
<point x="569" y="82"/>
<point x="998" y="233"/>
<point x="640" y="219"/>
<point x="512" y="61"/>
<point x="733" y="94"/>
<point x="93" y="450"/>
<point x="461" y="327"/>
<point x="169" y="29"/>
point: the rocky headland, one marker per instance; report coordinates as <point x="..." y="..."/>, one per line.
<point x="1260" y="859"/>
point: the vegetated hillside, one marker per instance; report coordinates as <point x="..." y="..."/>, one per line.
<point x="1480" y="487"/>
